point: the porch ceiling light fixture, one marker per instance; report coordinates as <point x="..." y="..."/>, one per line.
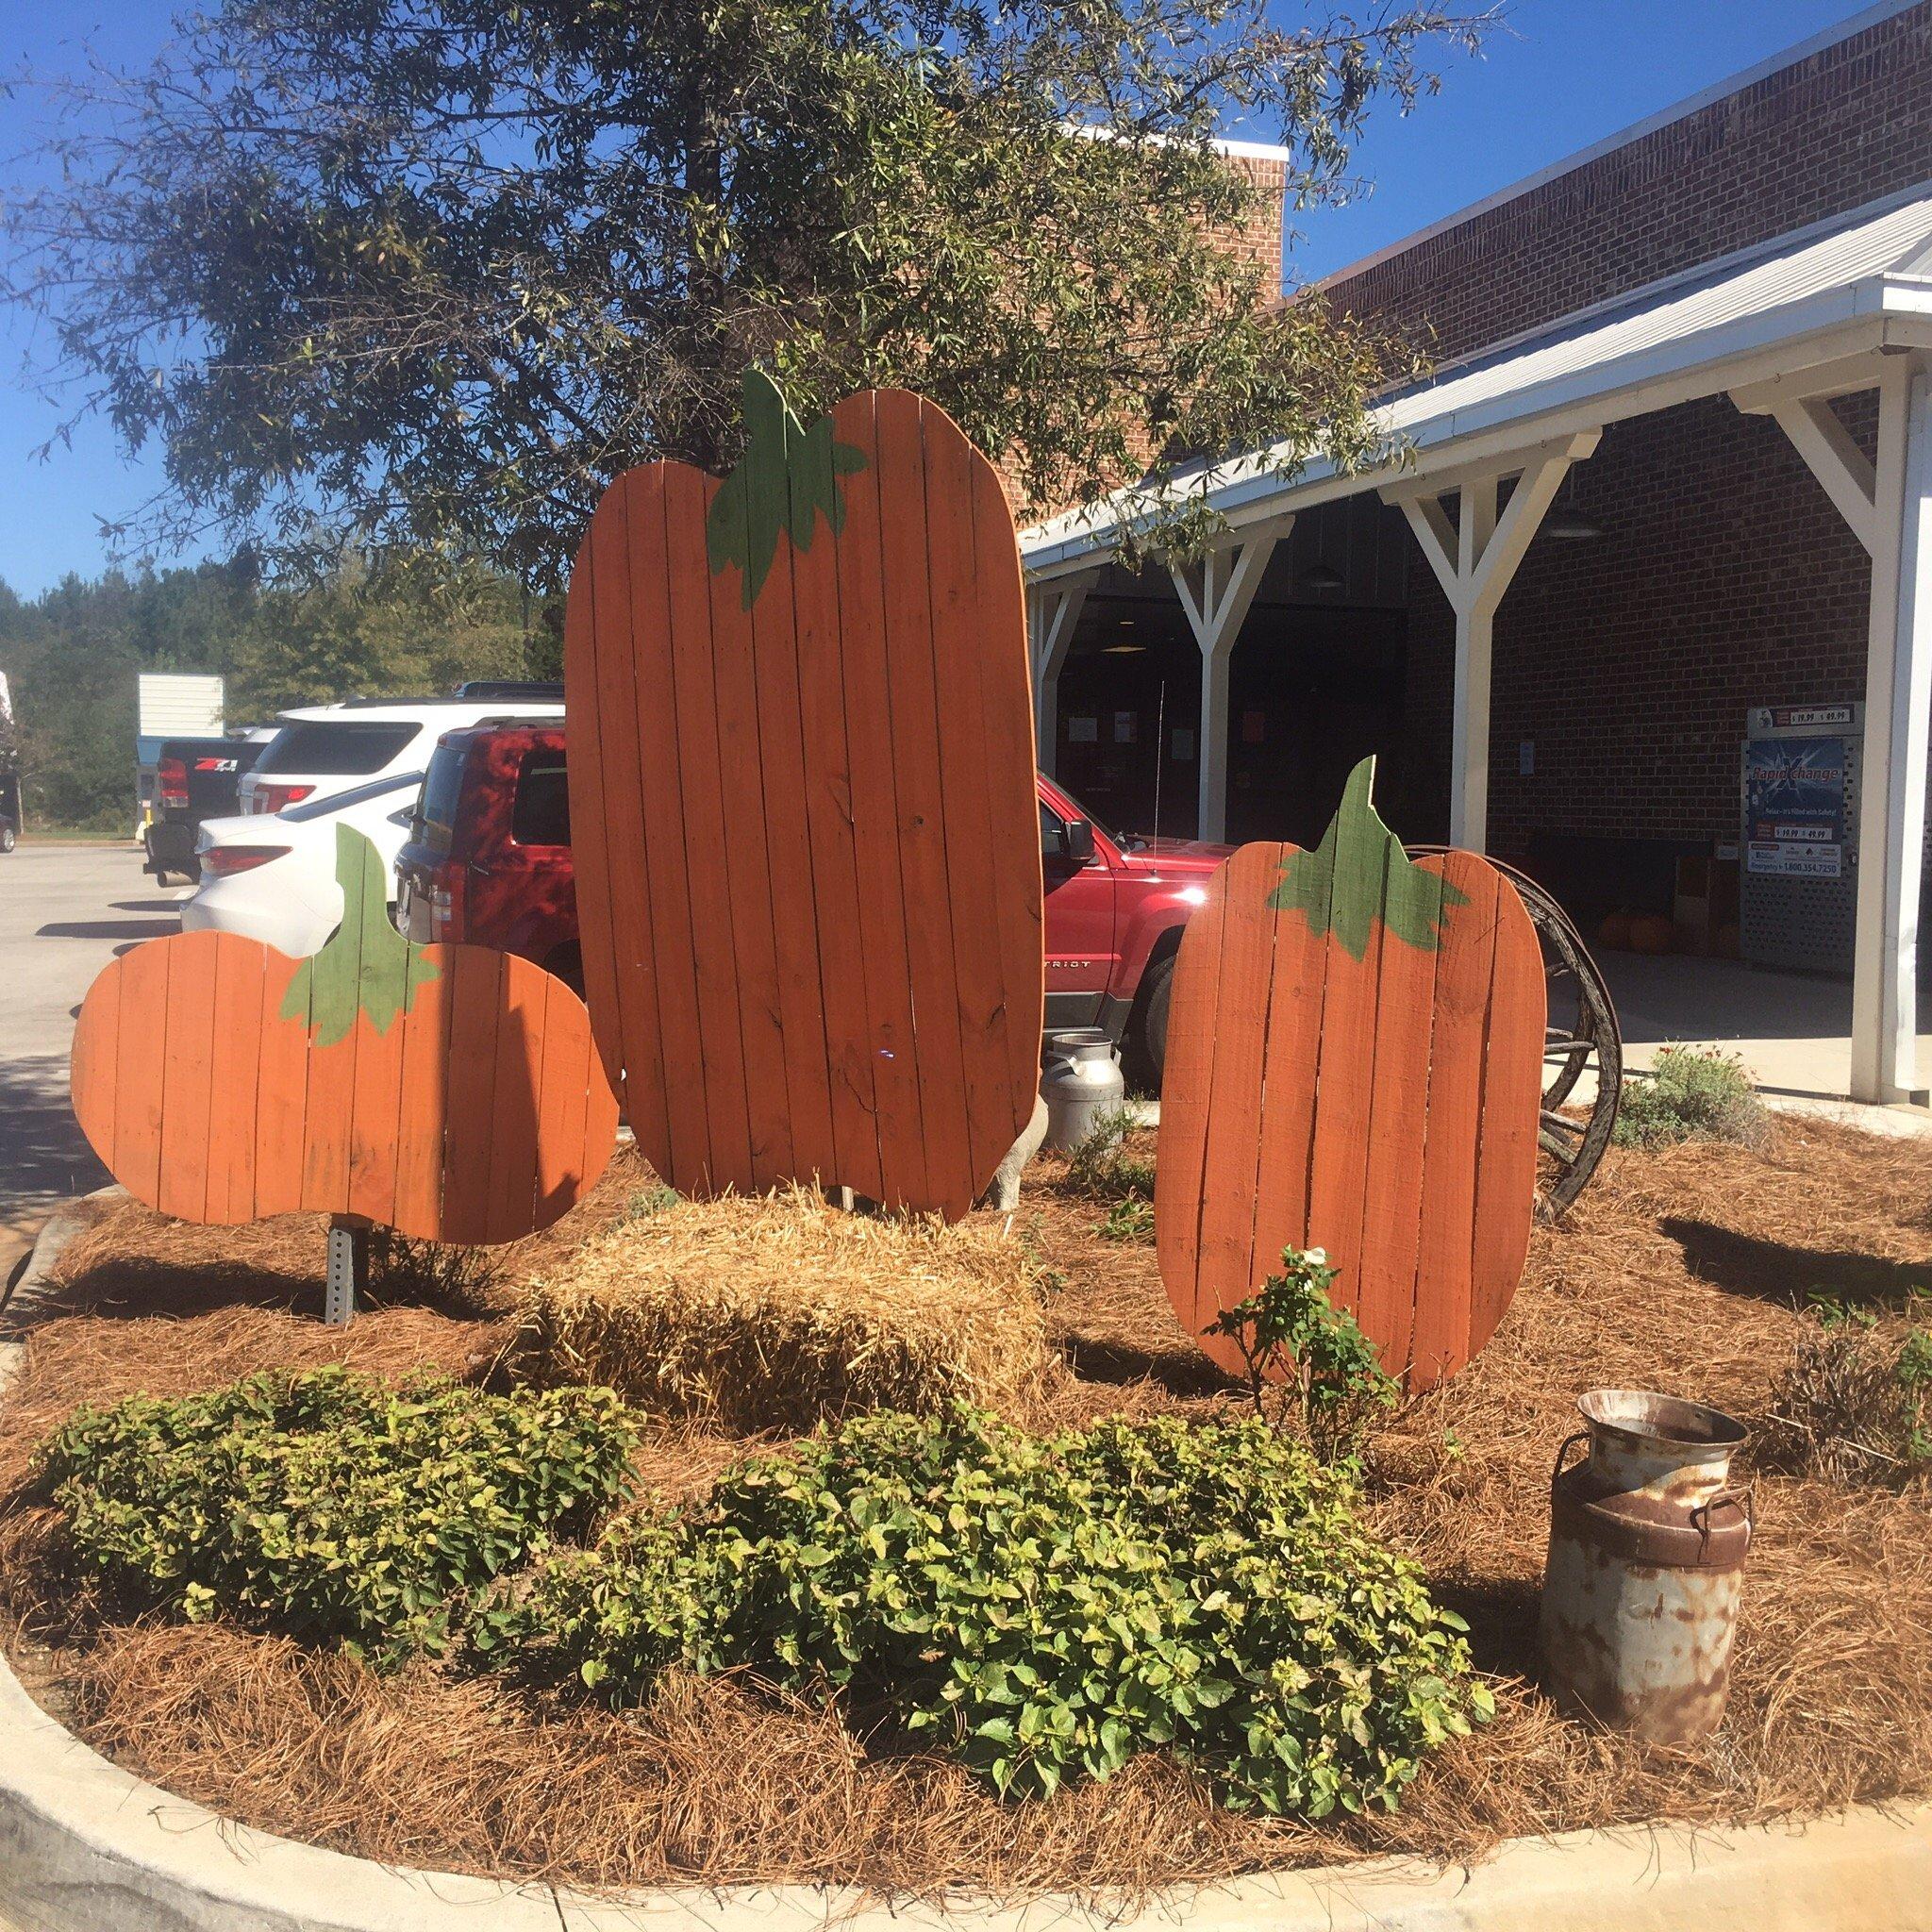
<point x="1323" y="576"/>
<point x="1565" y="522"/>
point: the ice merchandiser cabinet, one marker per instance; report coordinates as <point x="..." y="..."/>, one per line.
<point x="1798" y="884"/>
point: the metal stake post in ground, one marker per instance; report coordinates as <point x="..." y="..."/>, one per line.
<point x="348" y="1270"/>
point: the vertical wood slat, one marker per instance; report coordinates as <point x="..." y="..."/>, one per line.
<point x="743" y="858"/>
<point x="238" y="1096"/>
<point x="1384" y="1109"/>
<point x="887" y="1042"/>
<point x="700" y="824"/>
<point x="849" y="771"/>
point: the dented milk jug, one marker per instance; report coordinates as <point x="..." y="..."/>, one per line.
<point x="1647" y="1545"/>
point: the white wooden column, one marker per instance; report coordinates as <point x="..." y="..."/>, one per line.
<point x="1475" y="559"/>
<point x="1888" y="504"/>
<point x="1052" y="609"/>
<point x="1216" y="593"/>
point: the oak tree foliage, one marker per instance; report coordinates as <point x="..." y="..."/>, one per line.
<point x="430" y="271"/>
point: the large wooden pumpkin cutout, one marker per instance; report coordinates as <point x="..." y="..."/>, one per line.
<point x="451" y="1093"/>
<point x="803" y="807"/>
<point x="1353" y="1063"/>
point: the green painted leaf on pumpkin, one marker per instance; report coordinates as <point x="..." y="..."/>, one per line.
<point x="1360" y="874"/>
<point x="786" y="478"/>
<point x="365" y="966"/>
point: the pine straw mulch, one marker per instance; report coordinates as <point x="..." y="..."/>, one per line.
<point x="1684" y="1270"/>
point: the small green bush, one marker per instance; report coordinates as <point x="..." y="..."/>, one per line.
<point x="1101" y="1165"/>
<point x="331" y="1506"/>
<point x="1694" y="1093"/>
<point x="1045" y="1607"/>
<point x="1325" y="1370"/>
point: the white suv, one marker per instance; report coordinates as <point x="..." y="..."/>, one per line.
<point x="323" y="749"/>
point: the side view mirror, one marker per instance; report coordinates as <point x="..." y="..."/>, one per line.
<point x="1078" y="847"/>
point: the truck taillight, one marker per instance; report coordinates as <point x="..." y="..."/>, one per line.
<point x="446" y="905"/>
<point x="272" y="798"/>
<point x="171" y="782"/>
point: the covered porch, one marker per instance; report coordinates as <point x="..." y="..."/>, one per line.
<point x="1825" y="334"/>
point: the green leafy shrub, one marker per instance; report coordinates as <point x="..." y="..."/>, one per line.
<point x="1692" y="1093"/>
<point x="1131" y="1220"/>
<point x="331" y="1506"/>
<point x="1325" y="1370"/>
<point x="1102" y="1166"/>
<point x="1045" y="1607"/>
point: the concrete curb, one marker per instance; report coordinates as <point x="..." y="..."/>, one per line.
<point x="86" y="1847"/>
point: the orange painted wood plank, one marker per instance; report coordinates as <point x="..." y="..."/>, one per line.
<point x="1286" y="1148"/>
<point x="375" y="1118"/>
<point x="1227" y="1262"/>
<point x="700" y="820"/>
<point x="1344" y="1086"/>
<point x="883" y="911"/>
<point x="1464" y="969"/>
<point x="1511" y="1106"/>
<point x="1005" y="674"/>
<point x="141" y="1053"/>
<point x="93" y="1059"/>
<point x="588" y="659"/>
<point x="637" y="502"/>
<point x="1187" y="1088"/>
<point x="516" y="1099"/>
<point x="933" y="942"/>
<point x="240" y="968"/>
<point x="281" y="1093"/>
<point x="791" y="885"/>
<point x="828" y="820"/>
<point x="1399" y="1119"/>
<point x="186" y="1068"/>
<point x="563" y="1097"/>
<point x="676" y="1062"/>
<point x="476" y="996"/>
<point x="328" y="1119"/>
<point x="996" y="1105"/>
<point x="422" y="1115"/>
<point x="599" y="1116"/>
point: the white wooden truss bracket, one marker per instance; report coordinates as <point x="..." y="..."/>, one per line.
<point x="1475" y="557"/>
<point x="1216" y="591"/>
<point x="1053" y="611"/>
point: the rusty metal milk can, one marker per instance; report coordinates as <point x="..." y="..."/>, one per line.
<point x="1647" y="1545"/>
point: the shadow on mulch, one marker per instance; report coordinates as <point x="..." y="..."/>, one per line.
<point x="1119" y="1363"/>
<point x="1776" y="1272"/>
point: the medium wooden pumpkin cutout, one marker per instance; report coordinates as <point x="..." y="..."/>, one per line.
<point x="451" y="1093"/>
<point x="1353" y="1063"/>
<point x="803" y="807"/>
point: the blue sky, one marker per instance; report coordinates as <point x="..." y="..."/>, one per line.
<point x="1560" y="75"/>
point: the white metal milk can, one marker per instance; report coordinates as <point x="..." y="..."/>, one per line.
<point x="1081" y="1080"/>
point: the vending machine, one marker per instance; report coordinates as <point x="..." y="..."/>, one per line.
<point x="1799" y="884"/>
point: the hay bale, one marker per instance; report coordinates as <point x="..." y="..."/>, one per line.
<point x="778" y="1310"/>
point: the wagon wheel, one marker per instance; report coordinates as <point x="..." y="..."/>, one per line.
<point x="1580" y="1037"/>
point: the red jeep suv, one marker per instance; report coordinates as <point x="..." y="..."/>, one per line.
<point x="487" y="861"/>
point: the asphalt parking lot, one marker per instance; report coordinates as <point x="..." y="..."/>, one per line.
<point x="65" y="910"/>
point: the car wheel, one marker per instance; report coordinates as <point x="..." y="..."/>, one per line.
<point x="7" y="838"/>
<point x="1145" y="1056"/>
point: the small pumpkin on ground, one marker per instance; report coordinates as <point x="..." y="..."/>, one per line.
<point x="1353" y="1063"/>
<point x="451" y="1093"/>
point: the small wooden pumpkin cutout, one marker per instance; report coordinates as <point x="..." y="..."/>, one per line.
<point x="451" y="1093"/>
<point x="803" y="807"/>
<point x="1353" y="1063"/>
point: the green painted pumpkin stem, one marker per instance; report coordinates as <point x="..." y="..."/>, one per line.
<point x="787" y="478"/>
<point x="1360" y="874"/>
<point x="365" y="966"/>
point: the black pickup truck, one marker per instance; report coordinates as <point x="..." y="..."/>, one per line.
<point x="196" y="778"/>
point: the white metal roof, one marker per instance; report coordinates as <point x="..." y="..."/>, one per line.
<point x="1859" y="282"/>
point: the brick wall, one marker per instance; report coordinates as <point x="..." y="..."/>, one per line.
<point x="1852" y="122"/>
